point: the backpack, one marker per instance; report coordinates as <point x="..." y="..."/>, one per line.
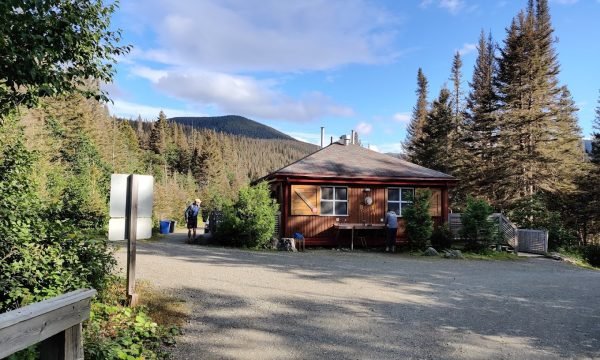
<point x="192" y="211"/>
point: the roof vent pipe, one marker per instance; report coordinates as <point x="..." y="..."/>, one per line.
<point x="352" y="138"/>
<point x="322" y="136"/>
<point x="331" y="141"/>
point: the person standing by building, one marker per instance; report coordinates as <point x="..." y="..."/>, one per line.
<point x="391" y="223"/>
<point x="191" y="218"/>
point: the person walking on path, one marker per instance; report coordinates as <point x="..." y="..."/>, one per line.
<point x="391" y="223"/>
<point x="191" y="218"/>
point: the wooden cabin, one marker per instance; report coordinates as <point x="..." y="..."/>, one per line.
<point x="343" y="185"/>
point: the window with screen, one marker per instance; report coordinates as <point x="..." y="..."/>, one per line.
<point x="334" y="200"/>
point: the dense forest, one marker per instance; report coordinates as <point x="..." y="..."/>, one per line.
<point x="80" y="145"/>
<point x="512" y="137"/>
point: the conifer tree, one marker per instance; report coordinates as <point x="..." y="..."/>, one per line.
<point x="536" y="125"/>
<point x="479" y="172"/>
<point x="456" y="78"/>
<point x="595" y="155"/>
<point x="414" y="130"/>
<point x="158" y="141"/>
<point x="433" y="148"/>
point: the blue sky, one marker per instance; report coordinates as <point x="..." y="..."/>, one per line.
<point x="342" y="64"/>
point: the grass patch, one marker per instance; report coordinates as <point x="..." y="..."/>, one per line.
<point x="491" y="255"/>
<point x="575" y="257"/>
<point x="166" y="309"/>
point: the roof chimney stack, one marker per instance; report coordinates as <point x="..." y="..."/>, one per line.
<point x="322" y="136"/>
<point x="352" y="138"/>
<point x="345" y="140"/>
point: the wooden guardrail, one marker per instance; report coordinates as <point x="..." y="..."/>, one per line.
<point x="56" y="323"/>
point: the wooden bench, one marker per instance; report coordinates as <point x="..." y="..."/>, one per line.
<point x="56" y="323"/>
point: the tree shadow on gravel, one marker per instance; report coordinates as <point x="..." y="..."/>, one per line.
<point x="413" y="307"/>
<point x="229" y="326"/>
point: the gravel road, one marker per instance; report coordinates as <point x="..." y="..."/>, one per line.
<point x="338" y="305"/>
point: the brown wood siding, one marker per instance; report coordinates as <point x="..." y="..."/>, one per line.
<point x="319" y="230"/>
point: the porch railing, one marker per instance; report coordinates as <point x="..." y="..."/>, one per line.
<point x="55" y="323"/>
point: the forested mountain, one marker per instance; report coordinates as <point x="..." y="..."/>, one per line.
<point x="234" y="125"/>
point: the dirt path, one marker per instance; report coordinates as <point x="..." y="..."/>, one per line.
<point x="337" y="305"/>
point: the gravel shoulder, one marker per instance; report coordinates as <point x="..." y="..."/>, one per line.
<point x="325" y="304"/>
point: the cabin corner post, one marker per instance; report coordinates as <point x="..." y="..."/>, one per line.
<point x="286" y="203"/>
<point x="445" y="204"/>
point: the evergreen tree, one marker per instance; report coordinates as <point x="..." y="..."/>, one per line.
<point x="419" y="117"/>
<point x="595" y="156"/>
<point x="433" y="148"/>
<point x="158" y="141"/>
<point x="139" y="132"/>
<point x="537" y="116"/>
<point x="456" y="78"/>
<point x="480" y="171"/>
<point x="587" y="203"/>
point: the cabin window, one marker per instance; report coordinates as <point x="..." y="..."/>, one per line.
<point x="400" y="199"/>
<point x="334" y="200"/>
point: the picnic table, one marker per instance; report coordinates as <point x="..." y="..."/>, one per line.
<point x="352" y="227"/>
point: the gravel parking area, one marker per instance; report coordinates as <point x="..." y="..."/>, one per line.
<point x="326" y="304"/>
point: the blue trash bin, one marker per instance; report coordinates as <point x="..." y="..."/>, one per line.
<point x="164" y="226"/>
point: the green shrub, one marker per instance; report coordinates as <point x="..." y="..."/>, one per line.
<point x="477" y="229"/>
<point x="42" y="255"/>
<point x="441" y="238"/>
<point x="419" y="224"/>
<point x="591" y="253"/>
<point x="250" y="221"/>
<point x="114" y="331"/>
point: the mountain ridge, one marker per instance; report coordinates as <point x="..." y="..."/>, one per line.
<point x="234" y="125"/>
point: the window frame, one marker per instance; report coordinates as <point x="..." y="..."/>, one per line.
<point x="334" y="200"/>
<point x="399" y="201"/>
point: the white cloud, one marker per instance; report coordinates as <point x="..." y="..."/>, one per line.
<point x="425" y="3"/>
<point x="244" y="95"/>
<point x="566" y="2"/>
<point x="403" y="117"/>
<point x="467" y="48"/>
<point x="312" y="138"/>
<point x="132" y="110"/>
<point x="453" y="6"/>
<point x="364" y="129"/>
<point x="388" y="148"/>
<point x="267" y="35"/>
<point x="148" y="73"/>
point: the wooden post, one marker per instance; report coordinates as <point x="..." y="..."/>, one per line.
<point x="66" y="345"/>
<point x="131" y="231"/>
<point x="287" y="198"/>
<point x="445" y="204"/>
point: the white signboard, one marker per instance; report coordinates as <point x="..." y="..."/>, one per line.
<point x="118" y="206"/>
<point x="118" y="195"/>
<point x="116" y="229"/>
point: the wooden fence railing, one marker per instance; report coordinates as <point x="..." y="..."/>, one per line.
<point x="524" y="240"/>
<point x="56" y="323"/>
<point x="507" y="230"/>
<point x="533" y="241"/>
